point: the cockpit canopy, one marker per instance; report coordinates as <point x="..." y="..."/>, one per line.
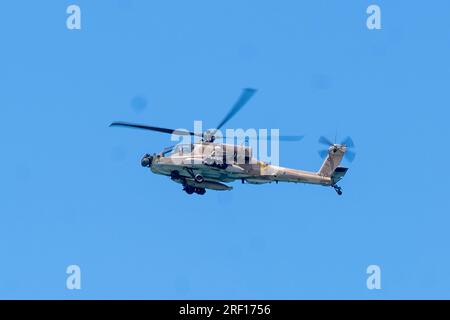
<point x="179" y="149"/>
<point x="227" y="153"/>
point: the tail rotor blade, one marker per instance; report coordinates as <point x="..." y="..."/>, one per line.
<point x="325" y="141"/>
<point x="348" y="142"/>
<point x="350" y="155"/>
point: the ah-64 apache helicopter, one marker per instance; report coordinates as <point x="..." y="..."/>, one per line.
<point x="209" y="165"/>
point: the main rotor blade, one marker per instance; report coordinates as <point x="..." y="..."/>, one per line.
<point x="243" y="99"/>
<point x="348" y="142"/>
<point x="158" y="129"/>
<point x="284" y="138"/>
<point x="280" y="138"/>
<point x="290" y="138"/>
<point x="325" y="141"/>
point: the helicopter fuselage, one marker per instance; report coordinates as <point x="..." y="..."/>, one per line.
<point x="197" y="166"/>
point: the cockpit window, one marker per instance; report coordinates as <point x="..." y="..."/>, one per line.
<point x="180" y="149"/>
<point x="166" y="151"/>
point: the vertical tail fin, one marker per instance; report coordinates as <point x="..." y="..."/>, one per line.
<point x="332" y="160"/>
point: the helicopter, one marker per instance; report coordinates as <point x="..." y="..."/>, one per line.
<point x="207" y="164"/>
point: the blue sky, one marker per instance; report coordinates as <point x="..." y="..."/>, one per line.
<point x="73" y="191"/>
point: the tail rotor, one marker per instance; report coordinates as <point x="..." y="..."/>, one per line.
<point x="344" y="146"/>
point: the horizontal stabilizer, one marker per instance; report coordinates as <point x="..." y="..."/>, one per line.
<point x="338" y="174"/>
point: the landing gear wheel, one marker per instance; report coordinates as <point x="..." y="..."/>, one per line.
<point x="189" y="189"/>
<point x="199" y="178"/>
<point x="200" y="191"/>
<point x="338" y="190"/>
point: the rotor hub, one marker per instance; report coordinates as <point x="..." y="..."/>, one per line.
<point x="208" y="136"/>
